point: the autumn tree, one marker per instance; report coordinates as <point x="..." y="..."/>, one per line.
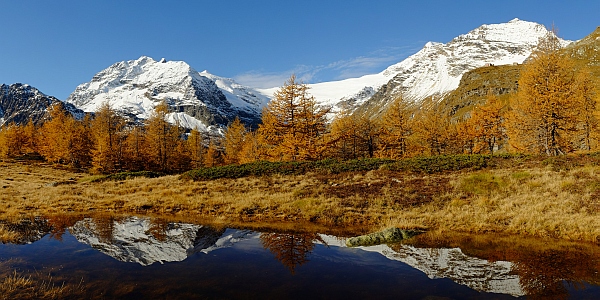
<point x="435" y="131"/>
<point x="486" y="125"/>
<point x="291" y="250"/>
<point x="65" y="139"/>
<point x="107" y="134"/>
<point x="12" y="140"/>
<point x="212" y="157"/>
<point x="587" y="100"/>
<point x="134" y="148"/>
<point x="55" y="139"/>
<point x="253" y="149"/>
<point x="31" y="133"/>
<point x="396" y="130"/>
<point x="544" y="112"/>
<point x="293" y="124"/>
<point x="343" y="138"/>
<point x="161" y="140"/>
<point x="196" y="148"/>
<point x="234" y="141"/>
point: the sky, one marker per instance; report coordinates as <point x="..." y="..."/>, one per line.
<point x="57" y="45"/>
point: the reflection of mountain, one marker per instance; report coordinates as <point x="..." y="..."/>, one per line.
<point x="143" y="241"/>
<point x="452" y="263"/>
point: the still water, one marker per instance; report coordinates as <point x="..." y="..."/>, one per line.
<point x="142" y="258"/>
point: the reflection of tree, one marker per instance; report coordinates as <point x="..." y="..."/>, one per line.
<point x="60" y="223"/>
<point x="544" y="275"/>
<point x="290" y="249"/>
<point x="546" y="271"/>
<point x="104" y="226"/>
<point x="158" y="229"/>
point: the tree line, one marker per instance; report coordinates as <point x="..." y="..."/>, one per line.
<point x="552" y="113"/>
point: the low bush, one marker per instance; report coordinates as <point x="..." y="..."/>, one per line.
<point x="126" y="175"/>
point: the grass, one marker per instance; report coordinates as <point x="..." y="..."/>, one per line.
<point x="477" y="194"/>
<point x="19" y="285"/>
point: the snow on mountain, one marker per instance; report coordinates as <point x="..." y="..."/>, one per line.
<point x="131" y="239"/>
<point x="239" y="95"/>
<point x="135" y="87"/>
<point x="21" y="102"/>
<point x="134" y="240"/>
<point x="452" y="263"/>
<point x="437" y="68"/>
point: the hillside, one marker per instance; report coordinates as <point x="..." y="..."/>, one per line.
<point x="502" y="80"/>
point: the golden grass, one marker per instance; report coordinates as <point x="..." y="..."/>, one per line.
<point x="535" y="201"/>
<point x="18" y="285"/>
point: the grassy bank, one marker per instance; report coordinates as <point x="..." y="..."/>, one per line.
<point x="535" y="196"/>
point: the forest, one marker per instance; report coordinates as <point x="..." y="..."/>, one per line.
<point x="552" y="113"/>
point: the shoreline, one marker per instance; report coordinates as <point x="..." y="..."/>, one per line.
<point x="531" y="200"/>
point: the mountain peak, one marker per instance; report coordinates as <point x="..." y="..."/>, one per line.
<point x="135" y="87"/>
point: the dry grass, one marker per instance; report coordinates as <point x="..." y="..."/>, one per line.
<point x="18" y="285"/>
<point x="534" y="201"/>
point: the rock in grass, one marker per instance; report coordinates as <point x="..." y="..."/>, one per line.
<point x="389" y="235"/>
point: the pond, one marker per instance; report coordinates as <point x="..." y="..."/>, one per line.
<point x="144" y="258"/>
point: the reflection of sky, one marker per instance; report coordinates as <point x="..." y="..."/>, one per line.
<point x="237" y="266"/>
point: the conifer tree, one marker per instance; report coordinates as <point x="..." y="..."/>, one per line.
<point x="435" y="131"/>
<point x="212" y="157"/>
<point x="343" y="138"/>
<point x="55" y="138"/>
<point x="196" y="148"/>
<point x="161" y="139"/>
<point x="31" y="136"/>
<point x="12" y="140"/>
<point x="107" y="135"/>
<point x="134" y="149"/>
<point x="234" y="141"/>
<point x="253" y="148"/>
<point x="487" y="126"/>
<point x="587" y="100"/>
<point x="293" y="124"/>
<point x="396" y="130"/>
<point x="544" y="116"/>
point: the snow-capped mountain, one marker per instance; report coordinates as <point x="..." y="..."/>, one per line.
<point x="478" y="274"/>
<point x="21" y="102"/>
<point x="437" y="68"/>
<point x="131" y="239"/>
<point x="196" y="100"/>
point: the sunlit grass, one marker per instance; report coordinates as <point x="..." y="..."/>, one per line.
<point x="533" y="200"/>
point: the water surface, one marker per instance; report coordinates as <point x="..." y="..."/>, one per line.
<point x="142" y="258"/>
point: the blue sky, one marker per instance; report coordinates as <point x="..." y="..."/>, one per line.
<point x="57" y="45"/>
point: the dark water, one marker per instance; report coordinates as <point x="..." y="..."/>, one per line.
<point x="138" y="258"/>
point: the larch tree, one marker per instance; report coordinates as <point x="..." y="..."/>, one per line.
<point x="234" y="141"/>
<point x="134" y="147"/>
<point x="487" y="124"/>
<point x="343" y="138"/>
<point x="396" y="130"/>
<point x="107" y="134"/>
<point x="196" y="148"/>
<point x="12" y="140"/>
<point x="55" y="137"/>
<point x="435" y="131"/>
<point x="544" y="112"/>
<point x="212" y="157"/>
<point x="31" y="132"/>
<point x="587" y="100"/>
<point x="368" y="134"/>
<point x="161" y="139"/>
<point x="293" y="124"/>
